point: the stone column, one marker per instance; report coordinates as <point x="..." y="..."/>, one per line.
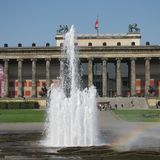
<point x="118" y="77"/>
<point x="104" y="77"/>
<point x="6" y="89"/>
<point x="133" y="77"/>
<point x="48" y="72"/>
<point x="147" y="75"/>
<point x="20" y="90"/>
<point x="129" y="78"/>
<point x="62" y="70"/>
<point x="158" y="86"/>
<point x="90" y="72"/>
<point x="34" y="90"/>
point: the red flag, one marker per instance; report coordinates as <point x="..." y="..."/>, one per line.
<point x="96" y="24"/>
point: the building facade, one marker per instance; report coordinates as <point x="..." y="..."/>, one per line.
<point x="127" y="39"/>
<point x="116" y="64"/>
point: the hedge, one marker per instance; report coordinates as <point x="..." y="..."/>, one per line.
<point x="19" y="105"/>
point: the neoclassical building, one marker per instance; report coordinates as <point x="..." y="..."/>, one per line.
<point x="118" y="65"/>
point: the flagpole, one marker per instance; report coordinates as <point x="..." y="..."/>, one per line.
<point x="97" y="32"/>
<point x="98" y="25"/>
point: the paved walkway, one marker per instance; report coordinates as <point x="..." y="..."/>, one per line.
<point x="23" y="127"/>
<point x="109" y="119"/>
<point x="104" y="118"/>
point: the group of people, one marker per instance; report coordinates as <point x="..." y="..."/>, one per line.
<point x="107" y="105"/>
<point x="104" y="106"/>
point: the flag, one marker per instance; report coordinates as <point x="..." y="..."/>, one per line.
<point x="96" y="24"/>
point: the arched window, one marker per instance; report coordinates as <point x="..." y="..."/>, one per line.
<point x="133" y="43"/>
<point x="118" y="43"/>
<point x="104" y="44"/>
<point x="89" y="44"/>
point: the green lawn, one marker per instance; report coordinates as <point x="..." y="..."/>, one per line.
<point x="37" y="115"/>
<point x="149" y="115"/>
<point x="21" y="115"/>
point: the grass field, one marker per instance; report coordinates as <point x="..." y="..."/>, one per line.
<point x="21" y="115"/>
<point x="37" y="115"/>
<point x="150" y="115"/>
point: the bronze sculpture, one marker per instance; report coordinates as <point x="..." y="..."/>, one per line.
<point x="62" y="29"/>
<point x="133" y="28"/>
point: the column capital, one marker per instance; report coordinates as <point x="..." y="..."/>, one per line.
<point x="147" y="58"/>
<point x="119" y="59"/>
<point x="62" y="59"/>
<point x="104" y="59"/>
<point x="47" y="59"/>
<point x="20" y="59"/>
<point x="6" y="60"/>
<point x="90" y="58"/>
<point x="34" y="59"/>
<point x="133" y="58"/>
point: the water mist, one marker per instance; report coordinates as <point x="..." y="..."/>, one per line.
<point x="71" y="117"/>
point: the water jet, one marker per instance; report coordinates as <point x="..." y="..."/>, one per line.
<point x="71" y="113"/>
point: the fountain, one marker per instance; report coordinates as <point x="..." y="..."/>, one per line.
<point x="71" y="130"/>
<point x="71" y="114"/>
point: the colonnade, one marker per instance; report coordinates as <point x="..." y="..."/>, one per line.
<point x="119" y="76"/>
<point x="90" y="75"/>
<point x="20" y="65"/>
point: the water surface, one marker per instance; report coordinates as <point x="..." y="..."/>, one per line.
<point x="18" y="146"/>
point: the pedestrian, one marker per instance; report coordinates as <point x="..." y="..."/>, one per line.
<point x="132" y="103"/>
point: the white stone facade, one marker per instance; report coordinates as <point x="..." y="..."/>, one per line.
<point x="128" y="39"/>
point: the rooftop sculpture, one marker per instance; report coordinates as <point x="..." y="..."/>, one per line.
<point x="133" y="28"/>
<point x="62" y="29"/>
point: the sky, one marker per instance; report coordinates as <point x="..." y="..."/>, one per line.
<point x="28" y="21"/>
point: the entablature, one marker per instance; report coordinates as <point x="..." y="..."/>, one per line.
<point x="84" y="52"/>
